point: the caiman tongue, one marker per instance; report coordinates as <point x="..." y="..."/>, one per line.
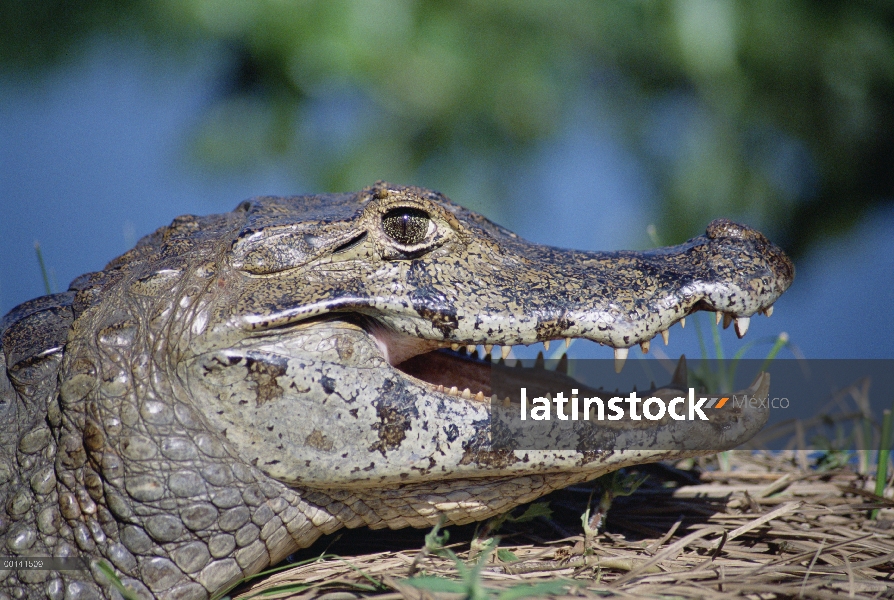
<point x="449" y="370"/>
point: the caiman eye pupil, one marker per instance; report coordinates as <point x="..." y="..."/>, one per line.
<point x="407" y="226"/>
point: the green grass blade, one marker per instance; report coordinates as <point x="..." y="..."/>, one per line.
<point x="43" y="268"/>
<point x="781" y="342"/>
<point x="884" y="450"/>
<point x="109" y="572"/>
<point x="433" y="583"/>
<point x="539" y="590"/>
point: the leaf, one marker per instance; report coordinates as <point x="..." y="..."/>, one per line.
<point x="546" y="588"/>
<point x="506" y="555"/>
<point x="292" y="588"/>
<point x="433" y="583"/>
<point x="435" y="543"/>
<point x="538" y="509"/>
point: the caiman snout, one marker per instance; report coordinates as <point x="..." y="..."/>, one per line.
<point x="619" y="299"/>
<point x="779" y="263"/>
<point x="724" y="228"/>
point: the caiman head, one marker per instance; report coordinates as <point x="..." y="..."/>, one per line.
<point x="295" y="360"/>
<point x="315" y="344"/>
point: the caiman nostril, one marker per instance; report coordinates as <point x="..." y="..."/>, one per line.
<point x="724" y="228"/>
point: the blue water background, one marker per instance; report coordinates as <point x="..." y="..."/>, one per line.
<point x="94" y="155"/>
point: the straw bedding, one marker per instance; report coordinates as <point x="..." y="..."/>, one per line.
<point x="765" y="527"/>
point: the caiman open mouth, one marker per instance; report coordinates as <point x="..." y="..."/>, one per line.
<point x="465" y="370"/>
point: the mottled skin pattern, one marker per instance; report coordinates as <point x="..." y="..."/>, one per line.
<point x="226" y="392"/>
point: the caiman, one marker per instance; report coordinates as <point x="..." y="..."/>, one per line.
<point x="236" y="385"/>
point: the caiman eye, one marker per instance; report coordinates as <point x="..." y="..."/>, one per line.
<point x="407" y="226"/>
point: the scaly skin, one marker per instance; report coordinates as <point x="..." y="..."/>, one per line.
<point x="228" y="391"/>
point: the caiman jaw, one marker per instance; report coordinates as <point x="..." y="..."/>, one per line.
<point x="463" y="370"/>
<point x="463" y="281"/>
<point x="343" y="341"/>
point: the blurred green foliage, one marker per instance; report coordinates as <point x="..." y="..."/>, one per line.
<point x="778" y="111"/>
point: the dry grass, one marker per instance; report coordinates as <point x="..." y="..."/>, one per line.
<point x="766" y="529"/>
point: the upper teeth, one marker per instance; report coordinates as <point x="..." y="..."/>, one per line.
<point x="620" y="357"/>
<point x="741" y="325"/>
